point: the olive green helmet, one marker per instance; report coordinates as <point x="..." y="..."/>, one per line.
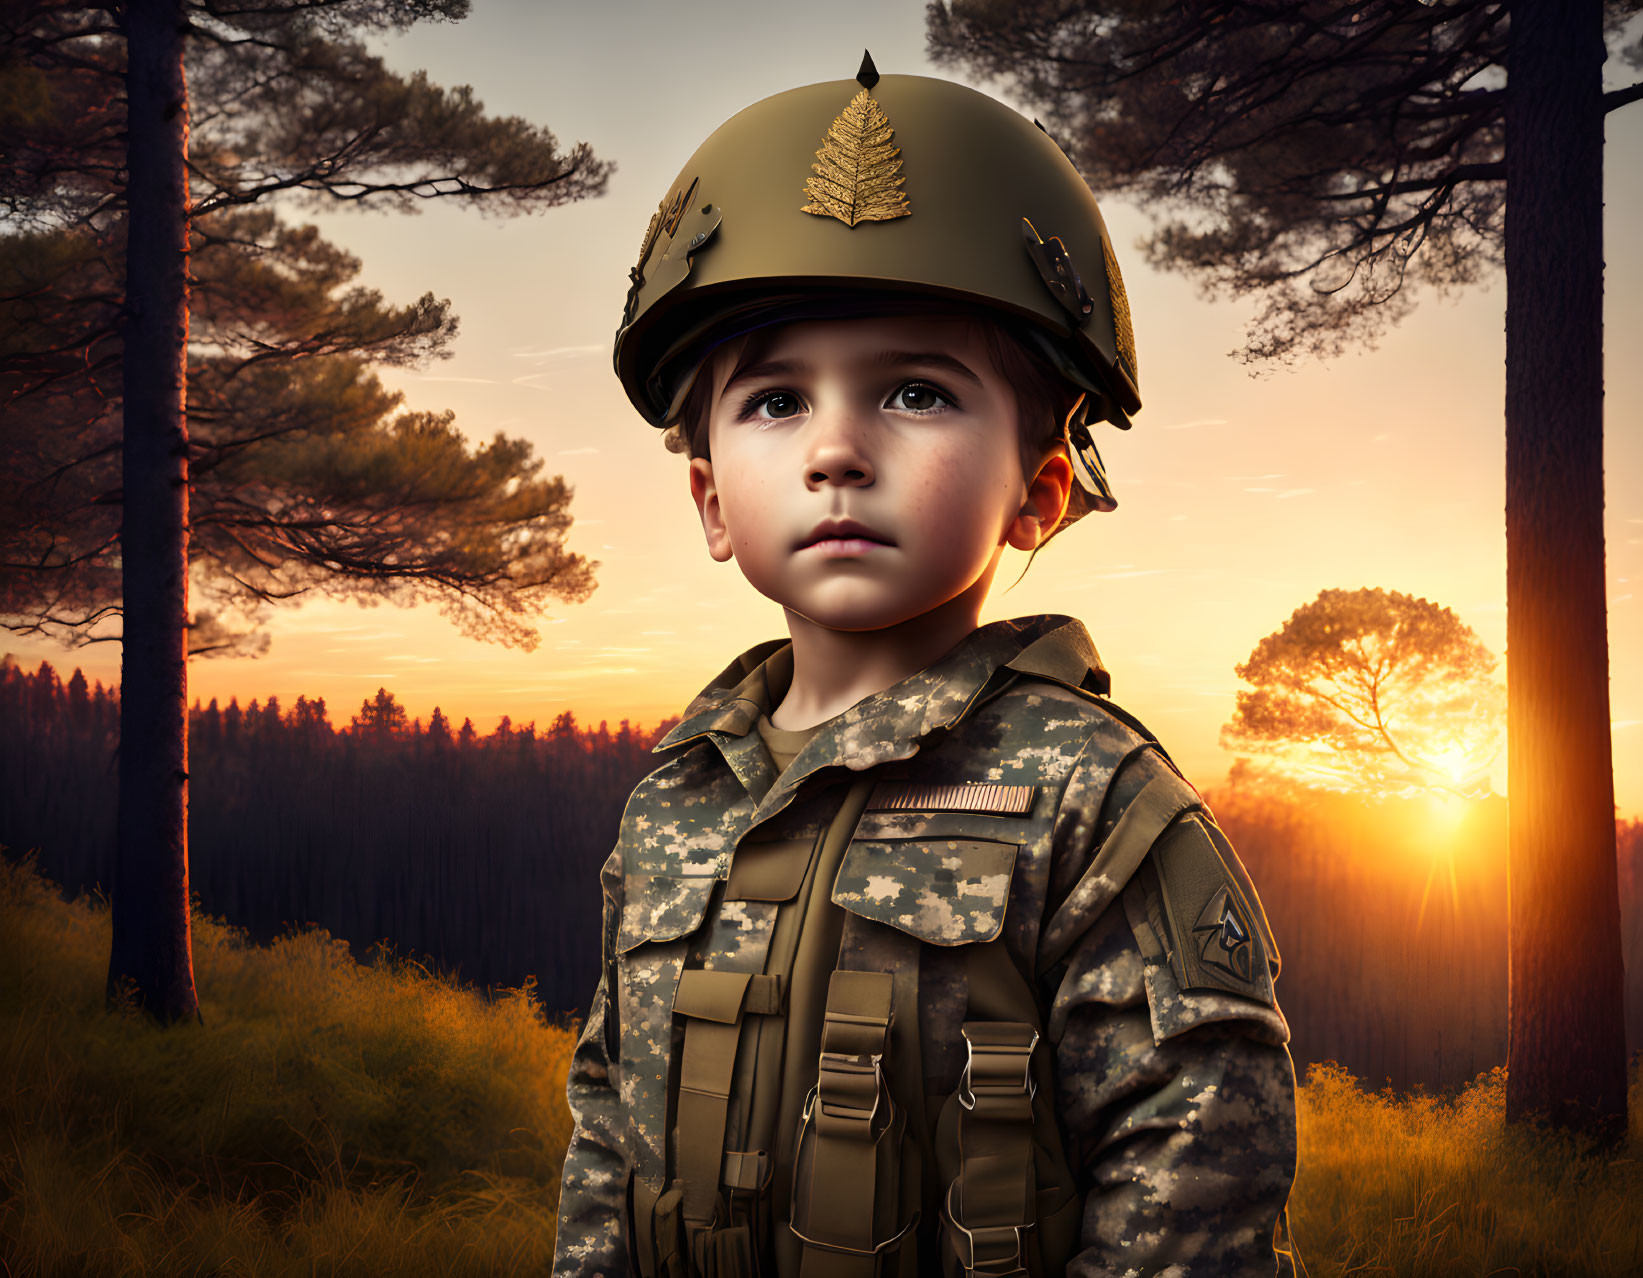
<point x="889" y="185"/>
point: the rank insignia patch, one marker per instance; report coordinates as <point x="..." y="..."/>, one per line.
<point x="1222" y="935"/>
<point x="1215" y="940"/>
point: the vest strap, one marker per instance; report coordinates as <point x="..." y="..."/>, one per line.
<point x="849" y="1111"/>
<point x="993" y="1199"/>
<point x="712" y="1002"/>
<point x="644" y="1207"/>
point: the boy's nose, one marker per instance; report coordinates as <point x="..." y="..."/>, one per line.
<point x="837" y="454"/>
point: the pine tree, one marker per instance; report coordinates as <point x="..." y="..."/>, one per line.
<point x="139" y="139"/>
<point x="1332" y="159"/>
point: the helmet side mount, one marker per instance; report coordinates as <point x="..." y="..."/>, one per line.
<point x="1060" y="276"/>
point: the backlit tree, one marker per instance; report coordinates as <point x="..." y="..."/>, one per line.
<point x="1332" y="158"/>
<point x="184" y="376"/>
<point x="1371" y="691"/>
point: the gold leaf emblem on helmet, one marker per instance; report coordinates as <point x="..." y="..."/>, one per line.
<point x="858" y="174"/>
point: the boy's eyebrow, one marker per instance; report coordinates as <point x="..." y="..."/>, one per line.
<point x="929" y="359"/>
<point x="896" y="359"/>
<point x="765" y="368"/>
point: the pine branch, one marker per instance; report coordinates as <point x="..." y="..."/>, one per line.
<point x="1616" y="98"/>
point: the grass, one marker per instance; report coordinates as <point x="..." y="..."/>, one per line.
<point x="335" y="1118"/>
<point x="327" y="1116"/>
<point x="1425" y="1186"/>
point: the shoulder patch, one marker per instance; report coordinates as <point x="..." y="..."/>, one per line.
<point x="1214" y="942"/>
<point x="1204" y="937"/>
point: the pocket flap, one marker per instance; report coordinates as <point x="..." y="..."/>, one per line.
<point x="663" y="907"/>
<point x="771" y="871"/>
<point x="711" y="996"/>
<point x="945" y="891"/>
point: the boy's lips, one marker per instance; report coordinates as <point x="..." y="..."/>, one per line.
<point x="842" y="532"/>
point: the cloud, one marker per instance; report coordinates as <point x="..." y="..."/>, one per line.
<point x="1200" y="421"/>
<point x="483" y="381"/>
<point x="560" y="352"/>
<point x="585" y="451"/>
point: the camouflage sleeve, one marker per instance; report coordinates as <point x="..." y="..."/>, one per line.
<point x="1185" y="1144"/>
<point x="592" y="1230"/>
<point x="1177" y="1104"/>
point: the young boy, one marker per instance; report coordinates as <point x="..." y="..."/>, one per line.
<point x="920" y="957"/>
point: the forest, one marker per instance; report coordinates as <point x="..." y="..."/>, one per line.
<point x="478" y="855"/>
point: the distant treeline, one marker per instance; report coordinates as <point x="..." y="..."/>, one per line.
<point x="482" y="852"/>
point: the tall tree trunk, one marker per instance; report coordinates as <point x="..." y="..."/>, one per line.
<point x="1566" y="1043"/>
<point x="152" y="954"/>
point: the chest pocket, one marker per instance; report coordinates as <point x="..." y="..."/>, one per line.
<point x="663" y="907"/>
<point x="947" y="891"/>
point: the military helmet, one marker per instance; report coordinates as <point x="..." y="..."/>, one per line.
<point x="888" y="185"/>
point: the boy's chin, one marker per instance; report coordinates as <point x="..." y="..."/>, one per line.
<point x="860" y="616"/>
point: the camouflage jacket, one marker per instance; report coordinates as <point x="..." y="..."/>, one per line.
<point x="1172" y="1082"/>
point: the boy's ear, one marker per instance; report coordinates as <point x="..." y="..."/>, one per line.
<point x="1047" y="497"/>
<point x="705" y="493"/>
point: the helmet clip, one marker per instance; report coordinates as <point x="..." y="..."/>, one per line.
<point x="1056" y="269"/>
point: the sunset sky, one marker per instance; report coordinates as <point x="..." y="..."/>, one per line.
<point x="1240" y="497"/>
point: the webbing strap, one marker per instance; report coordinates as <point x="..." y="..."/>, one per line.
<point x="712" y="1000"/>
<point x="644" y="1204"/>
<point x="841" y="1191"/>
<point x="993" y="1200"/>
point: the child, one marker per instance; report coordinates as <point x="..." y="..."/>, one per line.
<point x="920" y="957"/>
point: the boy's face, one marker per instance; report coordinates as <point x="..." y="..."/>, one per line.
<point x="898" y="424"/>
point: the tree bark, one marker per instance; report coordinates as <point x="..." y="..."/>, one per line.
<point x="152" y="953"/>
<point x="1566" y="1038"/>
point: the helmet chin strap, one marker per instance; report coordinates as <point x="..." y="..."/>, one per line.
<point x="1087" y="466"/>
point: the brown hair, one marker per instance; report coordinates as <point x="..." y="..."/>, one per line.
<point x="1043" y="397"/>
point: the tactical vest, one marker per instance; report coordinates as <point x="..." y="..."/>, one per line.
<point x="873" y="1143"/>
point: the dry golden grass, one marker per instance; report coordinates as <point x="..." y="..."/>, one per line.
<point x="1428" y="1187"/>
<point x="326" y="1116"/>
<point x="330" y="1117"/>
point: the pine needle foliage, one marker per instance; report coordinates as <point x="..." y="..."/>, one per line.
<point x="306" y="474"/>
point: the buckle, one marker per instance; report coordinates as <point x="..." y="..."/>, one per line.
<point x="999" y="1071"/>
<point x="844" y="1082"/>
<point x="987" y="1239"/>
<point x="747" y="1170"/>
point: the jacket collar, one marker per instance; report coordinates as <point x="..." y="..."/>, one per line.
<point x="887" y="725"/>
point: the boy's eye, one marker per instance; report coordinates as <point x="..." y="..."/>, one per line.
<point x="775" y="404"/>
<point x="918" y="397"/>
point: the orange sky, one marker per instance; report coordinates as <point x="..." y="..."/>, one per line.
<point x="1240" y="498"/>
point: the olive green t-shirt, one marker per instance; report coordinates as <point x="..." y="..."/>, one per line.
<point x="784" y="744"/>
